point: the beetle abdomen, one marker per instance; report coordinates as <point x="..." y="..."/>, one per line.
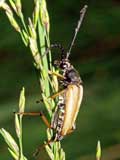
<point x="58" y="118"/>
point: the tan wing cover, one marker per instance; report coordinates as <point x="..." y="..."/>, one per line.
<point x="74" y="95"/>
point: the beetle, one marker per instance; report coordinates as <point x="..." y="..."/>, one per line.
<point x="70" y="98"/>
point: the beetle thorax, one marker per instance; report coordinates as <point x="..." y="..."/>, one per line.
<point x="72" y="76"/>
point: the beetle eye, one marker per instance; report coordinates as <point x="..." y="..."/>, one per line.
<point x="64" y="65"/>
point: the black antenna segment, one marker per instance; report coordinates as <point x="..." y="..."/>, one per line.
<point x="59" y="46"/>
<point x="82" y="14"/>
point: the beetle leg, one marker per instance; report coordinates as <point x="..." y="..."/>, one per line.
<point x="35" y="114"/>
<point x="53" y="96"/>
<point x="35" y="154"/>
<point x="56" y="74"/>
<point x="57" y="94"/>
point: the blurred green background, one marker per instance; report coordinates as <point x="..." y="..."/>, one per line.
<point x="95" y="55"/>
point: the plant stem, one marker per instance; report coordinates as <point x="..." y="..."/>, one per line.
<point x="44" y="58"/>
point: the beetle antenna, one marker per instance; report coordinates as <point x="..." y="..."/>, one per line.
<point x="59" y="46"/>
<point x="82" y="14"/>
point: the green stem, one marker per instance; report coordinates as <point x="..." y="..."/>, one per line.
<point x="48" y="44"/>
<point x="20" y="140"/>
<point x="23" y="22"/>
<point x="44" y="58"/>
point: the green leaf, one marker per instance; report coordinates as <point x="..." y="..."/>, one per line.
<point x="17" y="126"/>
<point x="12" y="2"/>
<point x="49" y="151"/>
<point x="98" y="152"/>
<point x="2" y="2"/>
<point x="22" y="100"/>
<point x="13" y="154"/>
<point x="10" y="141"/>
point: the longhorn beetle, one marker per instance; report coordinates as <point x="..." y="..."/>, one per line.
<point x="69" y="99"/>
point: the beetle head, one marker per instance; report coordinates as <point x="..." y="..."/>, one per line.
<point x="62" y="64"/>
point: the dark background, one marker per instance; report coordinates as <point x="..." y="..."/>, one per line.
<point x="95" y="55"/>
